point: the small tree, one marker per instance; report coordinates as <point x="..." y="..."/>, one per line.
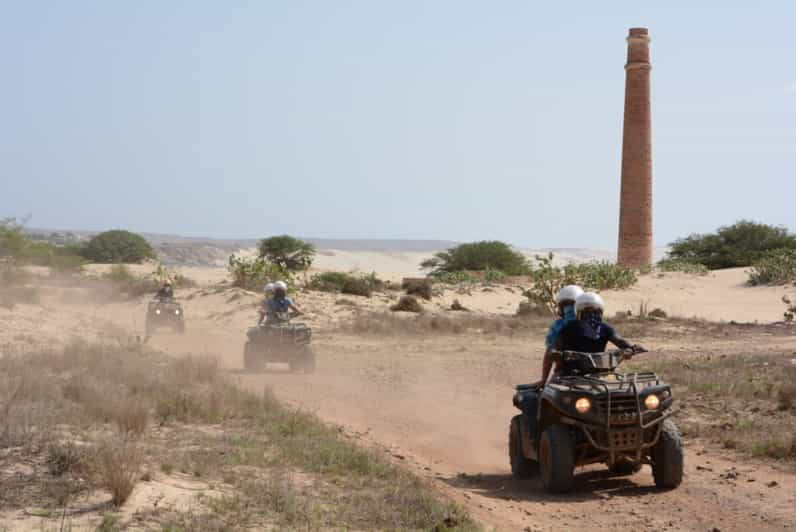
<point x="741" y="244"/>
<point x="478" y="256"/>
<point x="252" y="274"/>
<point x="288" y="252"/>
<point x="118" y="246"/>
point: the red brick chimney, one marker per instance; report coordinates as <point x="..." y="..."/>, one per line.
<point x="635" y="211"/>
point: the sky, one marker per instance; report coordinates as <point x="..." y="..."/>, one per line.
<point x="446" y="119"/>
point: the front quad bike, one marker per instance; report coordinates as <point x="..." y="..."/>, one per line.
<point x="593" y="414"/>
<point x="164" y="313"/>
<point x="279" y="342"/>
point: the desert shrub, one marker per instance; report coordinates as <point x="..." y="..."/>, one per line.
<point x="732" y="246"/>
<point x="290" y="253"/>
<point x="119" y="273"/>
<point x="418" y="287"/>
<point x="547" y="279"/>
<point x="479" y="256"/>
<point x="494" y="276"/>
<point x="18" y="248"/>
<point x="776" y="267"/>
<point x="602" y="275"/>
<point x="117" y="246"/>
<point x="407" y="304"/>
<point x="460" y="277"/>
<point x="457" y="306"/>
<point x="115" y="467"/>
<point x="252" y="274"/>
<point x="683" y="266"/>
<point x="130" y="416"/>
<point x="162" y="274"/>
<point x="657" y="313"/>
<point x="64" y="457"/>
<point x="346" y="283"/>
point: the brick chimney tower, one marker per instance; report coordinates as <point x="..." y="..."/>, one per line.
<point x="635" y="211"/>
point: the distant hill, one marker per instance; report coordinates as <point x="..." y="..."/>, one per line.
<point x="203" y="251"/>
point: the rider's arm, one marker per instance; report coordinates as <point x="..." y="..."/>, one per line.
<point x="618" y="341"/>
<point x="295" y="307"/>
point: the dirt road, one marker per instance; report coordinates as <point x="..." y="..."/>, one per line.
<point x="441" y="406"/>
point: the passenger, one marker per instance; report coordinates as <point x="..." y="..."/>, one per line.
<point x="268" y="291"/>
<point x="165" y="292"/>
<point x="589" y="334"/>
<point x="280" y="304"/>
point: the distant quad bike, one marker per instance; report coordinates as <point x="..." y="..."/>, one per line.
<point x="279" y="342"/>
<point x="164" y="313"/>
<point x="595" y="414"/>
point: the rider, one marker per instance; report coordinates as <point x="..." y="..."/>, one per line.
<point x="566" y="311"/>
<point x="280" y="303"/>
<point x="268" y="290"/>
<point x="165" y="291"/>
<point x="589" y="334"/>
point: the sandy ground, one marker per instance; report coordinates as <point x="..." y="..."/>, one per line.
<point x="441" y="404"/>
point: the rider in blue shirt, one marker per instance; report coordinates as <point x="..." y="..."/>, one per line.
<point x="589" y="334"/>
<point x="280" y="303"/>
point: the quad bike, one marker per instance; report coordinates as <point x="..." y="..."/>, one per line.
<point x="164" y="313"/>
<point x="279" y="341"/>
<point x="594" y="414"/>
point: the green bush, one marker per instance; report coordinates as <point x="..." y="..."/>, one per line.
<point x="479" y="256"/>
<point x="547" y="279"/>
<point x="407" y="304"/>
<point x="737" y="245"/>
<point x="602" y="275"/>
<point x="117" y="246"/>
<point x="346" y="283"/>
<point x="18" y="248"/>
<point x="253" y="274"/>
<point x="455" y="277"/>
<point x="418" y="287"/>
<point x="774" y="268"/>
<point x="683" y="266"/>
<point x="288" y="252"/>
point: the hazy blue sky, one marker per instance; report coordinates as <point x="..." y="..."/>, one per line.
<point x="406" y="119"/>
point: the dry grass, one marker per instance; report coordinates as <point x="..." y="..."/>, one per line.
<point x="115" y="466"/>
<point x="384" y="324"/>
<point x="741" y="401"/>
<point x="81" y="417"/>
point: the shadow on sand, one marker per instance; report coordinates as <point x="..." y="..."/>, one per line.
<point x="589" y="486"/>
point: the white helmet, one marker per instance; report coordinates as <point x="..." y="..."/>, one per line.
<point x="281" y="285"/>
<point x="569" y="293"/>
<point x="268" y="288"/>
<point x="589" y="300"/>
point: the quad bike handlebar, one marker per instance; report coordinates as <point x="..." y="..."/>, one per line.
<point x="603" y="361"/>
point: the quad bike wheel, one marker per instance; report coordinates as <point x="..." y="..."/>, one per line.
<point x="303" y="361"/>
<point x="149" y="328"/>
<point x="309" y="360"/>
<point x="250" y="359"/>
<point x="557" y="459"/>
<point x="521" y="466"/>
<point x="181" y="327"/>
<point x="625" y="467"/>
<point x="667" y="457"/>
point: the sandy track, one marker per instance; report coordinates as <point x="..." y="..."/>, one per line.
<point x="441" y="406"/>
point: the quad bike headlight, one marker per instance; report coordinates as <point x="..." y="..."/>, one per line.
<point x="583" y="405"/>
<point x="157" y="311"/>
<point x="177" y="311"/>
<point x="652" y="402"/>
